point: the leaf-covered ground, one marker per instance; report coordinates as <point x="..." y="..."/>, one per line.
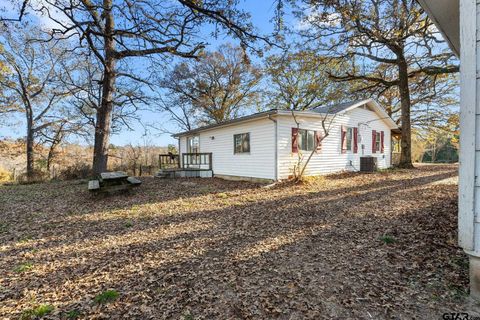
<point x="359" y="246"/>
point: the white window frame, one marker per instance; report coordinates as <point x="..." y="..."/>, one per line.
<point x="378" y="142"/>
<point x="309" y="133"/>
<point x="242" y="137"/>
<point x="349" y="139"/>
<point x="190" y="147"/>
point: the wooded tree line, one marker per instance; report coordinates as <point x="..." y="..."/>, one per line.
<point x="100" y="62"/>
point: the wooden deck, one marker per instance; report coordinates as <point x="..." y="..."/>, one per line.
<point x="192" y="165"/>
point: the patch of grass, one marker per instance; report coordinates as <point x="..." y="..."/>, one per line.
<point x="387" y="239"/>
<point x="73" y="314"/>
<point x="3" y="227"/>
<point x="222" y="195"/>
<point x="128" y="224"/>
<point x="37" y="312"/>
<point x="106" y="297"/>
<point x="25" y="239"/>
<point x="23" y="267"/>
<point x="187" y="317"/>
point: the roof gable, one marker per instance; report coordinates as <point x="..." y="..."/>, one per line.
<point x="371" y="104"/>
<point x="319" y="111"/>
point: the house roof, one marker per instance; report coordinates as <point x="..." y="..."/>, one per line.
<point x="225" y="123"/>
<point x="446" y="16"/>
<point x="319" y="111"/>
<point x="336" y="108"/>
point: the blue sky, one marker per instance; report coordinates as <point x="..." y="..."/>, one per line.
<point x="261" y="14"/>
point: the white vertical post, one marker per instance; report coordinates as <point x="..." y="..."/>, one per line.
<point x="468" y="98"/>
<point x="469" y="185"/>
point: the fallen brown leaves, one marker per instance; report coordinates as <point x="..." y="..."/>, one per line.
<point x="349" y="245"/>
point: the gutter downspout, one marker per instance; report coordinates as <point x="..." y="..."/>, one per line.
<point x="276" y="146"/>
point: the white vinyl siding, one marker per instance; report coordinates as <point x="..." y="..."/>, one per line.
<point x="330" y="158"/>
<point x="259" y="162"/>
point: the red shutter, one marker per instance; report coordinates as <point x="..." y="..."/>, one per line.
<point x="318" y="141"/>
<point x="381" y="141"/>
<point x="344" y="139"/>
<point x="374" y="141"/>
<point x="355" y="140"/>
<point x="294" y="140"/>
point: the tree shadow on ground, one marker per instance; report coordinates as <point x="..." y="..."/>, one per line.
<point x="304" y="255"/>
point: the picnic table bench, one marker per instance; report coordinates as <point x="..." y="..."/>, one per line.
<point x="113" y="181"/>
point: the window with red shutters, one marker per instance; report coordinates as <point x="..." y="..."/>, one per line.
<point x="344" y="140"/>
<point x="382" y="139"/>
<point x="318" y="140"/>
<point x="294" y="140"/>
<point x="355" y="140"/>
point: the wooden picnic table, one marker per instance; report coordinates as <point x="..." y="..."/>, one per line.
<point x="113" y="181"/>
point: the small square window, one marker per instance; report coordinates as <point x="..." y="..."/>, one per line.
<point x="241" y="143"/>
<point x="306" y="140"/>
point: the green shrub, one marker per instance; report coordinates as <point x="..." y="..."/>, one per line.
<point x="23" y="267"/>
<point x="73" y="314"/>
<point x="37" y="312"/>
<point x="106" y="297"/>
<point x="387" y="239"/>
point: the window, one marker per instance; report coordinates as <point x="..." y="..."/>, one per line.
<point x="306" y="140"/>
<point x="349" y="138"/>
<point x="193" y="144"/>
<point x="377" y="141"/>
<point x="241" y="143"/>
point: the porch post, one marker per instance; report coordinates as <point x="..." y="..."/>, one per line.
<point x="469" y="186"/>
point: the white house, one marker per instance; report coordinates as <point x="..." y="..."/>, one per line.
<point x="267" y="145"/>
<point x="459" y="22"/>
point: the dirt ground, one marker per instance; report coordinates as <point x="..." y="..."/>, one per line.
<point x="350" y="246"/>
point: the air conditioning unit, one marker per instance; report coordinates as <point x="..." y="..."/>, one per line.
<point x="368" y="164"/>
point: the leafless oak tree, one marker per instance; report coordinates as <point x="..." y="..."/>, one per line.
<point x="385" y="44"/>
<point x="118" y="31"/>
<point x="30" y="85"/>
<point x="216" y="87"/>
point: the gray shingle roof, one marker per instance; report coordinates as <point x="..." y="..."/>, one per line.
<point x="336" y="108"/>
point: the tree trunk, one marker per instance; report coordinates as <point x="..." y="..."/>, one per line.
<point x="104" y="112"/>
<point x="29" y="145"/>
<point x="405" y="103"/>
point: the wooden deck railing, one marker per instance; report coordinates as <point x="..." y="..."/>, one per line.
<point x="197" y="161"/>
<point x="168" y="161"/>
<point x="202" y="161"/>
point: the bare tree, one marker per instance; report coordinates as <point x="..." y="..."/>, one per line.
<point x="217" y="87"/>
<point x="30" y="85"/>
<point x="302" y="162"/>
<point x="21" y="6"/>
<point x="299" y="81"/>
<point x="384" y="44"/>
<point x="83" y="79"/>
<point x="118" y="32"/>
